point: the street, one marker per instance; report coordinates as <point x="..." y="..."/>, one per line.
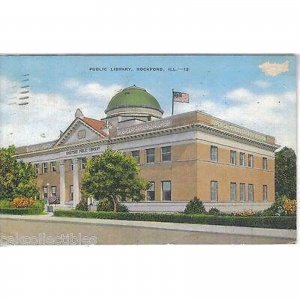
<point x="53" y="230"/>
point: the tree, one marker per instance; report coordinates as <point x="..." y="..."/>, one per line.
<point x="16" y="178"/>
<point x="285" y="173"/>
<point x="113" y="176"/>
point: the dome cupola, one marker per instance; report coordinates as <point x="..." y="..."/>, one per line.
<point x="135" y="102"/>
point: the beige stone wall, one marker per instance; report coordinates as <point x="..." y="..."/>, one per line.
<point x="190" y="173"/>
<point x="224" y="173"/>
<point x="50" y="177"/>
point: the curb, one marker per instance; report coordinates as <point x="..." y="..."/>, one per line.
<point x="234" y="230"/>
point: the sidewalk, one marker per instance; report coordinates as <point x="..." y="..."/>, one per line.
<point x="231" y="230"/>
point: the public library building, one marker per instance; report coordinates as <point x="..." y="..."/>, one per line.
<point x="191" y="154"/>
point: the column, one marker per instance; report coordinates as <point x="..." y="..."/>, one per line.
<point x="62" y="182"/>
<point x="76" y="192"/>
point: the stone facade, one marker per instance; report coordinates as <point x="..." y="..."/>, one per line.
<point x="190" y="169"/>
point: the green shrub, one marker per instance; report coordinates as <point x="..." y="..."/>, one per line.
<point x="21" y="211"/>
<point x="214" y="211"/>
<point x="39" y="204"/>
<point x="122" y="208"/>
<point x="4" y="203"/>
<point x="195" y="206"/>
<point x="285" y="222"/>
<point x="82" y="205"/>
<point x="107" y="205"/>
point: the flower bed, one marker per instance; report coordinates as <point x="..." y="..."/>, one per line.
<point x="21" y="206"/>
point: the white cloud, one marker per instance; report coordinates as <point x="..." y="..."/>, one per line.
<point x="262" y="83"/>
<point x="92" y="89"/>
<point x="269" y="113"/>
<point x="47" y="114"/>
<point x="273" y="114"/>
<point x="91" y="93"/>
<point x="274" y="69"/>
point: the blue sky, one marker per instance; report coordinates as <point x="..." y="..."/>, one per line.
<point x="256" y="91"/>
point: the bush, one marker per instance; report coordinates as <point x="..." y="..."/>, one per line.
<point x="290" y="207"/>
<point x="36" y="208"/>
<point x="39" y="204"/>
<point x="286" y="222"/>
<point x="195" y="206"/>
<point x="283" y="206"/>
<point x="82" y="205"/>
<point x="107" y="205"/>
<point x="4" y="203"/>
<point x="21" y="211"/>
<point x="214" y="211"/>
<point x="22" y="202"/>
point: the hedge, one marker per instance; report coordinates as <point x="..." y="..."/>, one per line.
<point x="284" y="222"/>
<point x="21" y="211"/>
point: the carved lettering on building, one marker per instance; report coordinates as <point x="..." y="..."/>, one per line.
<point x="239" y="130"/>
<point x="145" y="127"/>
<point x="83" y="150"/>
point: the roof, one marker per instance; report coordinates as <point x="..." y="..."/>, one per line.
<point x="195" y="120"/>
<point x="133" y="96"/>
<point x="97" y="125"/>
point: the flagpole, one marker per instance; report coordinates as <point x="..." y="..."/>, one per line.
<point x="172" y="102"/>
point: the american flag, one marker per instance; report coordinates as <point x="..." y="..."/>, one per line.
<point x="181" y="97"/>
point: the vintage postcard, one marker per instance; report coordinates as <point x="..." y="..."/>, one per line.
<point x="147" y="149"/>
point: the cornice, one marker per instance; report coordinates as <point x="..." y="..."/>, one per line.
<point x="158" y="132"/>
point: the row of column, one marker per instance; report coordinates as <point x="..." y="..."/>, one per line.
<point x="62" y="182"/>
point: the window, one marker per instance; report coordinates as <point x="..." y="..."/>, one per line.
<point x="242" y="159"/>
<point x="166" y="190"/>
<point x="53" y="166"/>
<point x="136" y="155"/>
<point x="250" y="193"/>
<point x="45" y="192"/>
<point x="71" y="193"/>
<point x="232" y="191"/>
<point x="151" y="191"/>
<point x="214" y="191"/>
<point x="150" y="155"/>
<point x="242" y="192"/>
<point x="213" y="153"/>
<point x="83" y="163"/>
<point x="264" y="163"/>
<point x="166" y="153"/>
<point x="45" y="167"/>
<point x="265" y="192"/>
<point x="53" y="190"/>
<point x="233" y="157"/>
<point x="36" y="169"/>
<point x="250" y="160"/>
<point x="81" y="134"/>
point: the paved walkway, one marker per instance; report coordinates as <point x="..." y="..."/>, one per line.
<point x="134" y="232"/>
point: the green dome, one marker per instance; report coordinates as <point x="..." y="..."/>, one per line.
<point x="133" y="96"/>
